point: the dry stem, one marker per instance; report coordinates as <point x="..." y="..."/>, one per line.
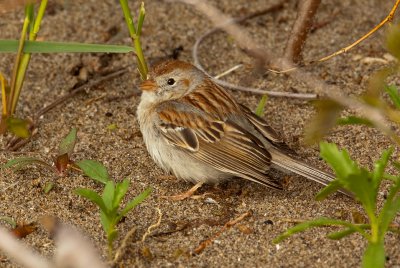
<point x="304" y="21"/>
<point x="375" y="115"/>
<point x="227" y="226"/>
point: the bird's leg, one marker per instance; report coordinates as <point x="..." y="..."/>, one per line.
<point x="186" y="194"/>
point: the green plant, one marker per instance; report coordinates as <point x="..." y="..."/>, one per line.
<point x="261" y="105"/>
<point x="329" y="111"/>
<point x="27" y="45"/>
<point x="135" y="33"/>
<point x="364" y="185"/>
<point x="109" y="204"/>
<point x="63" y="162"/>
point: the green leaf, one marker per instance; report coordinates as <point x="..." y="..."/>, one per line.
<point x="343" y="233"/>
<point x="92" y="196"/>
<point x="315" y="223"/>
<point x="354" y="120"/>
<point x="364" y="189"/>
<point x="261" y="105"/>
<point x="374" y="256"/>
<point x="352" y="178"/>
<point x="95" y="170"/>
<point x="128" y="17"/>
<point x="332" y="187"/>
<point x="11" y="46"/>
<point x="393" y="93"/>
<point x="112" y="127"/>
<point x="396" y="165"/>
<point x="21" y="162"/>
<point x="388" y="213"/>
<point x="390" y="208"/>
<point x="105" y="221"/>
<point x="133" y="203"/>
<point x="380" y="166"/>
<point x="142" y="14"/>
<point x="108" y="195"/>
<point x="67" y="144"/>
<point x="340" y="161"/>
<point x="19" y="127"/>
<point x="120" y="191"/>
<point x="48" y="187"/>
<point x="9" y="220"/>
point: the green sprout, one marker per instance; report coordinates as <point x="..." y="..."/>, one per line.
<point x="11" y="94"/>
<point x="62" y="162"/>
<point x="364" y="185"/>
<point x="109" y="204"/>
<point x="135" y="34"/>
<point x="261" y="105"/>
<point x="27" y="45"/>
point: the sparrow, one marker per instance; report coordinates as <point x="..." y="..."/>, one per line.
<point x="194" y="129"/>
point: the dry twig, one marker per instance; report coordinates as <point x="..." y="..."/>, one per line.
<point x="304" y="21"/>
<point x="122" y="247"/>
<point x="153" y="226"/>
<point x="305" y="96"/>
<point x="226" y="227"/>
<point x="387" y="19"/>
<point x="375" y="115"/>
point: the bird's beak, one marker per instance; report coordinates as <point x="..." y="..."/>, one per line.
<point x="148" y="85"/>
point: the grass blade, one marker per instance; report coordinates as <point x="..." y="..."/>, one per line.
<point x="11" y="46"/>
<point x="142" y="14"/>
<point x="316" y="223"/>
<point x="128" y="17"/>
<point x="21" y="162"/>
<point x="261" y="105"/>
<point x="346" y="232"/>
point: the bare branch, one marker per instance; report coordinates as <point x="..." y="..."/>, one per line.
<point x="244" y="40"/>
<point x="305" y="96"/>
<point x="304" y="21"/>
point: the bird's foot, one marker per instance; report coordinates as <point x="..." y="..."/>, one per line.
<point x="184" y="195"/>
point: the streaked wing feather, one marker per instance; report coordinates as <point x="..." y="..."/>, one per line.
<point x="221" y="144"/>
<point x="181" y="136"/>
<point x="267" y="131"/>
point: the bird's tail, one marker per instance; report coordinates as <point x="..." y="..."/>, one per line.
<point x="287" y="163"/>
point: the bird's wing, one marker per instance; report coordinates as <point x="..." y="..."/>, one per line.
<point x="267" y="131"/>
<point x="218" y="142"/>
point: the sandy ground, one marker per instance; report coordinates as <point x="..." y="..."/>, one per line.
<point x="187" y="223"/>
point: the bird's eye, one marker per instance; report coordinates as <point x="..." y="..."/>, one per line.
<point x="171" y="81"/>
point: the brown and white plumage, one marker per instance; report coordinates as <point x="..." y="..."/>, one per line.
<point x="196" y="130"/>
